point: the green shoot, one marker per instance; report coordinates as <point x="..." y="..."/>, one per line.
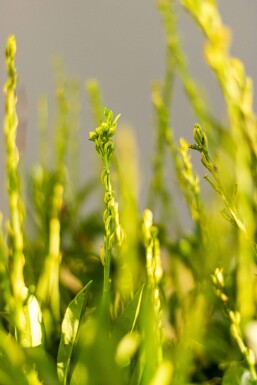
<point x="102" y="137"/>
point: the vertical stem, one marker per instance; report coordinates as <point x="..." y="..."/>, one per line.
<point x="13" y="184"/>
<point x="48" y="283"/>
<point x="113" y="233"/>
<point x="107" y="265"/>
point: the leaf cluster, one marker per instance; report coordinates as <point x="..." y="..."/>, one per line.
<point x="113" y="295"/>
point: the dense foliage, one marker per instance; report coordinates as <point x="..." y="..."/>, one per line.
<point x="114" y="295"/>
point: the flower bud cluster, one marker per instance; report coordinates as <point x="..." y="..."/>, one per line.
<point x="103" y="134"/>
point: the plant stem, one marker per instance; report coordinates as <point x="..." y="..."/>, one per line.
<point x="107" y="264"/>
<point x="105" y="147"/>
<point x="13" y="186"/>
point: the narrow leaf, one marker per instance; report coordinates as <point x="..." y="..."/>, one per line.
<point x="70" y="326"/>
<point x="127" y="320"/>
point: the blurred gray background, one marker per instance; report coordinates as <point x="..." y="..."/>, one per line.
<point x="121" y="43"/>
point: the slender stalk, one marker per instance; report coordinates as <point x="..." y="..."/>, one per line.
<point x="113" y="232"/>
<point x="48" y="283"/>
<point x="108" y="214"/>
<point x="202" y="146"/>
<point x="13" y="185"/>
<point x="154" y="276"/>
<point x="237" y="90"/>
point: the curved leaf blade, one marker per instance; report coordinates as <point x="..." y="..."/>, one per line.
<point x="70" y="326"/>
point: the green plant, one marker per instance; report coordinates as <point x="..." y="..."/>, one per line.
<point x="116" y="296"/>
<point x="113" y="232"/>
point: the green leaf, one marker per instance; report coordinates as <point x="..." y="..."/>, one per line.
<point x="70" y="326"/>
<point x="127" y="320"/>
<point x="116" y="119"/>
